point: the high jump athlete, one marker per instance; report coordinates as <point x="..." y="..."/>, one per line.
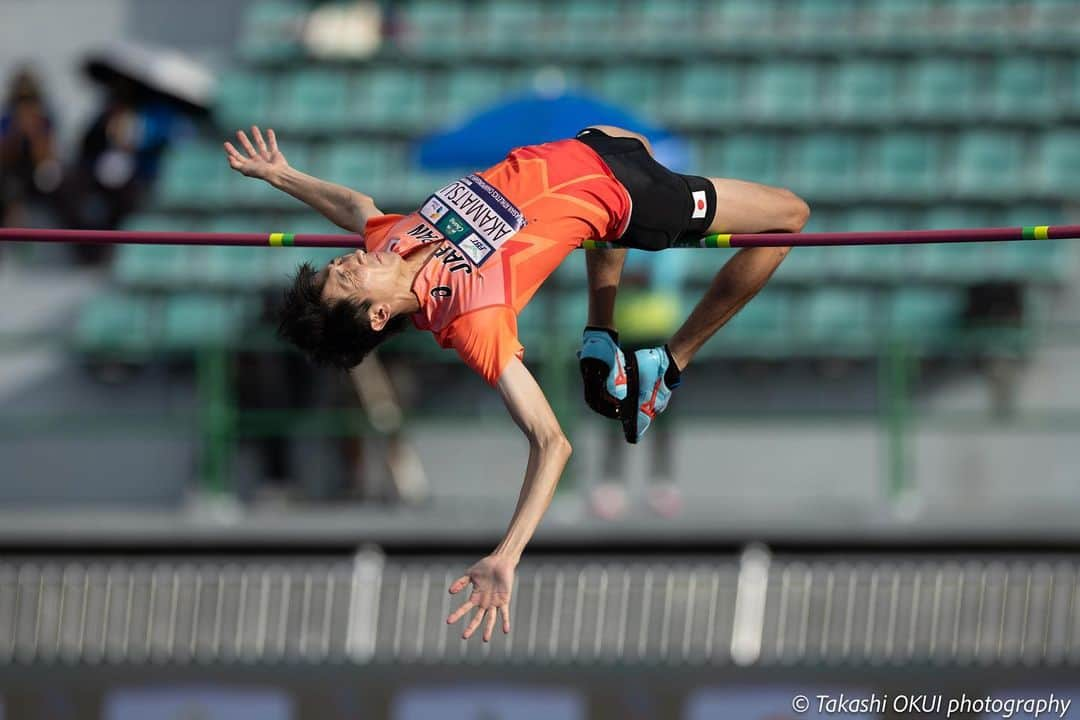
<point x="465" y="264"/>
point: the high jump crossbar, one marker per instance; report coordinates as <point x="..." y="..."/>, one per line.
<point x="894" y="237"/>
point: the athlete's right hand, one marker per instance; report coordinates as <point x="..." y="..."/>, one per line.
<point x="261" y="161"/>
<point x="603" y="371"/>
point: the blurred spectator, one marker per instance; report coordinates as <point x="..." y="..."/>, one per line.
<point x="29" y="169"/>
<point x="647" y="313"/>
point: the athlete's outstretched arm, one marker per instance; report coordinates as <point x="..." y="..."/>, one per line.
<point x="493" y="577"/>
<point x="346" y="208"/>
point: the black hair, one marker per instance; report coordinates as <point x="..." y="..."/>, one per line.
<point x="338" y="334"/>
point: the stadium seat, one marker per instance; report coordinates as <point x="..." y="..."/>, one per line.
<point x="115" y="322"/>
<point x="193" y="175"/>
<point x="195" y="320"/>
<point x="990" y="162"/>
<point x="804" y="265"/>
<point x="905" y="164"/>
<point x="764" y="324"/>
<point x="315" y="100"/>
<point x="704" y="94"/>
<point x="633" y="86"/>
<point x="979" y="22"/>
<point x="899" y="23"/>
<point x="358" y="164"/>
<point x="838" y="320"/>
<point x="434" y="27"/>
<point x="952" y="262"/>
<point x="1024" y="86"/>
<point x="155" y="266"/>
<point x="739" y="21"/>
<point x="1035" y="261"/>
<point x="390" y="99"/>
<point x="864" y="89"/>
<point x="824" y="165"/>
<point x="754" y="157"/>
<point x="785" y="91"/>
<point x="510" y="28"/>
<point x="926" y="314"/>
<point x="656" y="22"/>
<point x="821" y="22"/>
<point x="591" y="28"/>
<point x="885" y="263"/>
<point x="271" y="30"/>
<point x="942" y="88"/>
<point x="1055" y="23"/>
<point x="1059" y="163"/>
<point x="237" y="269"/>
<point x="245" y="99"/>
<point x="462" y="91"/>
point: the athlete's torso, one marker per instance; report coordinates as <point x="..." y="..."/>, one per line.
<point x="500" y="233"/>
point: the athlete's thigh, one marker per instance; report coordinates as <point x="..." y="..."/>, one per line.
<point x="748" y="207"/>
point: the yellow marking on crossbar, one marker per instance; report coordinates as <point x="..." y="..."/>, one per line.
<point x="1041" y="232"/>
<point x="276" y="238"/>
<point x="723" y="240"/>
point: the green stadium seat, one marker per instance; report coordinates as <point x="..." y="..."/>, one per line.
<point x="942" y="88"/>
<point x="823" y="22"/>
<point x="434" y="27"/>
<point x="785" y="91"/>
<point x="804" y="264"/>
<point x="754" y="157"/>
<point x="825" y="164"/>
<point x="1055" y="23"/>
<point x="591" y="28"/>
<point x="115" y="323"/>
<point x="511" y="28"/>
<point x="952" y="262"/>
<point x="979" y="22"/>
<point x="237" y="268"/>
<point x="899" y="23"/>
<point x="1024" y="86"/>
<point x="245" y="99"/>
<point x="990" y="162"/>
<point x="926" y="314"/>
<point x="1058" y="169"/>
<point x="463" y="91"/>
<point x="193" y="175"/>
<point x="864" y="89"/>
<point x="194" y="320"/>
<point x="877" y="262"/>
<point x="838" y="320"/>
<point x="905" y="163"/>
<point x="704" y="94"/>
<point x="155" y="266"/>
<point x="740" y="21"/>
<point x="359" y="164"/>
<point x="271" y="30"/>
<point x="315" y="101"/>
<point x="390" y="98"/>
<point x="636" y="87"/>
<point x="656" y="22"/>
<point x="764" y="324"/>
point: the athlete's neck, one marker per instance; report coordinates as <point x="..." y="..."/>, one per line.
<point x="407" y="302"/>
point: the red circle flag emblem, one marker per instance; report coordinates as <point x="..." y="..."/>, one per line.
<point x="700" y="204"/>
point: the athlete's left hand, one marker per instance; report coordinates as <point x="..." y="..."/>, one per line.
<point x="493" y="580"/>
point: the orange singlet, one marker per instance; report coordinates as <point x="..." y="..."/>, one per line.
<point x="501" y="233"/>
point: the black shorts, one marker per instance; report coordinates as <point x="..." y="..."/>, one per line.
<point x="665" y="205"/>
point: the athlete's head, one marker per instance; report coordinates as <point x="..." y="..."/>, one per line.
<point x="338" y="314"/>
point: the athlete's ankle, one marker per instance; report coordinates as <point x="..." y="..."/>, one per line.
<point x="673" y="374"/>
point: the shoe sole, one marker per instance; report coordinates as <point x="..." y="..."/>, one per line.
<point x="628" y="409"/>
<point x="595" y="372"/>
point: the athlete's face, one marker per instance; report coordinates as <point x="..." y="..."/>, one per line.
<point x="364" y="277"/>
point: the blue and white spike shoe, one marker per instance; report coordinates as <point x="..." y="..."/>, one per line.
<point x="603" y="371"/>
<point x="647" y="394"/>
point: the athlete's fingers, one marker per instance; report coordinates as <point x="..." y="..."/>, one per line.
<point x="489" y="626"/>
<point x="477" y="618"/>
<point x="243" y="138"/>
<point x="272" y="137"/>
<point x="505" y="609"/>
<point x="460" y="612"/>
<point x="259" y="142"/>
<point x="459" y="584"/>
<point x="234" y="154"/>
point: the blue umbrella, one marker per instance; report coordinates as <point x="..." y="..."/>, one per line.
<point x="485" y="138"/>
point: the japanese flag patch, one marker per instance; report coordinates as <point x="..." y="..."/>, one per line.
<point x="700" y="204"/>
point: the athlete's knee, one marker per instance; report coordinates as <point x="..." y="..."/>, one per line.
<point x="796" y="211"/>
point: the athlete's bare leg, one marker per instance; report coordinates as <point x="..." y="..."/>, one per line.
<point x="741" y="207"/>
